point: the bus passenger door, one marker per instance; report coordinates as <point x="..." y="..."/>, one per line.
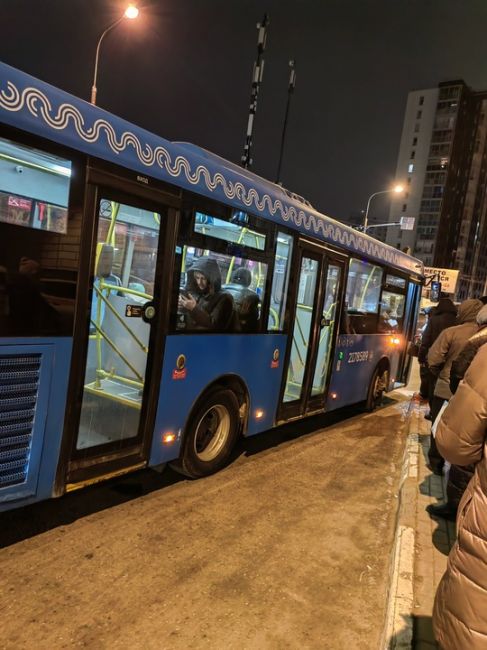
<point x="120" y="352"/>
<point x="316" y="315"/>
<point x="409" y="330"/>
<point x="328" y="317"/>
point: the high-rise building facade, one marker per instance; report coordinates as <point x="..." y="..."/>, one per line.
<point x="442" y="163"/>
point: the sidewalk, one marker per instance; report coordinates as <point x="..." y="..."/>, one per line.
<point x="422" y="543"/>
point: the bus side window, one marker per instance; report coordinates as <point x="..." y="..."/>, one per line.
<point x="40" y="242"/>
<point x="391" y="311"/>
<point x="241" y="280"/>
<point x="280" y="282"/>
<point x="362" y="296"/>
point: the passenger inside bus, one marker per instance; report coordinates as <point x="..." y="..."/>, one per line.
<point x="204" y="305"/>
<point x="29" y="312"/>
<point x="247" y="302"/>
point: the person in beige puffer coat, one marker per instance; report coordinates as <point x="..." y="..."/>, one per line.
<point x="460" y="610"/>
<point x="444" y="350"/>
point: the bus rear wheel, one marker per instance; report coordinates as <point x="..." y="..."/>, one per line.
<point x="377" y="386"/>
<point x="211" y="434"/>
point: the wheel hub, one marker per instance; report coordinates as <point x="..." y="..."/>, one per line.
<point x="212" y="432"/>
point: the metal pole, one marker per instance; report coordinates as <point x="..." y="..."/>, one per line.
<point x="290" y="90"/>
<point x="366" y="218"/>
<point x="93" y="87"/>
<point x="256" y="81"/>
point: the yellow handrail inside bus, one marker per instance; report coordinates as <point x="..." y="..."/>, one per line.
<point x="120" y="354"/>
<point x="110" y="238"/>
<point x="106" y="285"/>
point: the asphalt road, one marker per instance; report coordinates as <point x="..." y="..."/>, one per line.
<point x="288" y="547"/>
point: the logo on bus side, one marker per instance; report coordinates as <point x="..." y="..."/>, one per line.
<point x="275" y="359"/>
<point x="179" y="371"/>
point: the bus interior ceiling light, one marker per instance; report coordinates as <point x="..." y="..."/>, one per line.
<point x="52" y="169"/>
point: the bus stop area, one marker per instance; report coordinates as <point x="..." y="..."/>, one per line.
<point x="311" y="538"/>
<point x="422" y="543"/>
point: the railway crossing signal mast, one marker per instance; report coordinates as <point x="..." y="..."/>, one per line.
<point x="256" y="81"/>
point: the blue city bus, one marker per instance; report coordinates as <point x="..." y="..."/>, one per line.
<point x="104" y="367"/>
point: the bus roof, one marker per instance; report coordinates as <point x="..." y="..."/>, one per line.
<point x="37" y="107"/>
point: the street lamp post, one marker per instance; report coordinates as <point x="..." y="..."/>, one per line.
<point x="398" y="189"/>
<point x="131" y="12"/>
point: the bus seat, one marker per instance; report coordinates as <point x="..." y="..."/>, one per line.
<point x="103" y="272"/>
<point x="104" y="262"/>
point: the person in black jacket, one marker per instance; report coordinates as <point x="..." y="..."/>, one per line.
<point x="459" y="476"/>
<point x="205" y="306"/>
<point x="442" y="316"/>
<point x="247" y="302"/>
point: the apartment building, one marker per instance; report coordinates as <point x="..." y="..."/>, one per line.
<point x="442" y="163"/>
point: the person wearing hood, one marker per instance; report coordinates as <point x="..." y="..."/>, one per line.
<point x="444" y="350"/>
<point x="460" y="609"/>
<point x="206" y="307"/>
<point x="459" y="476"/>
<point x="439" y="318"/>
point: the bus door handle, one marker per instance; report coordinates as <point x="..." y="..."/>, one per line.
<point x="324" y="322"/>
<point x="148" y="312"/>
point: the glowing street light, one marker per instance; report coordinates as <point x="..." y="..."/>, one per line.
<point x="131" y="13"/>
<point x="397" y="189"/>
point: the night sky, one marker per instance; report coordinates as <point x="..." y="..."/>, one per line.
<point x="183" y="70"/>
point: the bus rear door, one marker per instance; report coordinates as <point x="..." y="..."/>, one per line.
<point x="316" y="313"/>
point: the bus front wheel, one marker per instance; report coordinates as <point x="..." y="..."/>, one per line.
<point x="377" y="386"/>
<point x="211" y="434"/>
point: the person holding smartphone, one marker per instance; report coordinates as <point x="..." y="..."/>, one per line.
<point x="204" y="304"/>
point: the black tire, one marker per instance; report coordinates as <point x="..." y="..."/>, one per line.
<point x="210" y="435"/>
<point x="377" y="386"/>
